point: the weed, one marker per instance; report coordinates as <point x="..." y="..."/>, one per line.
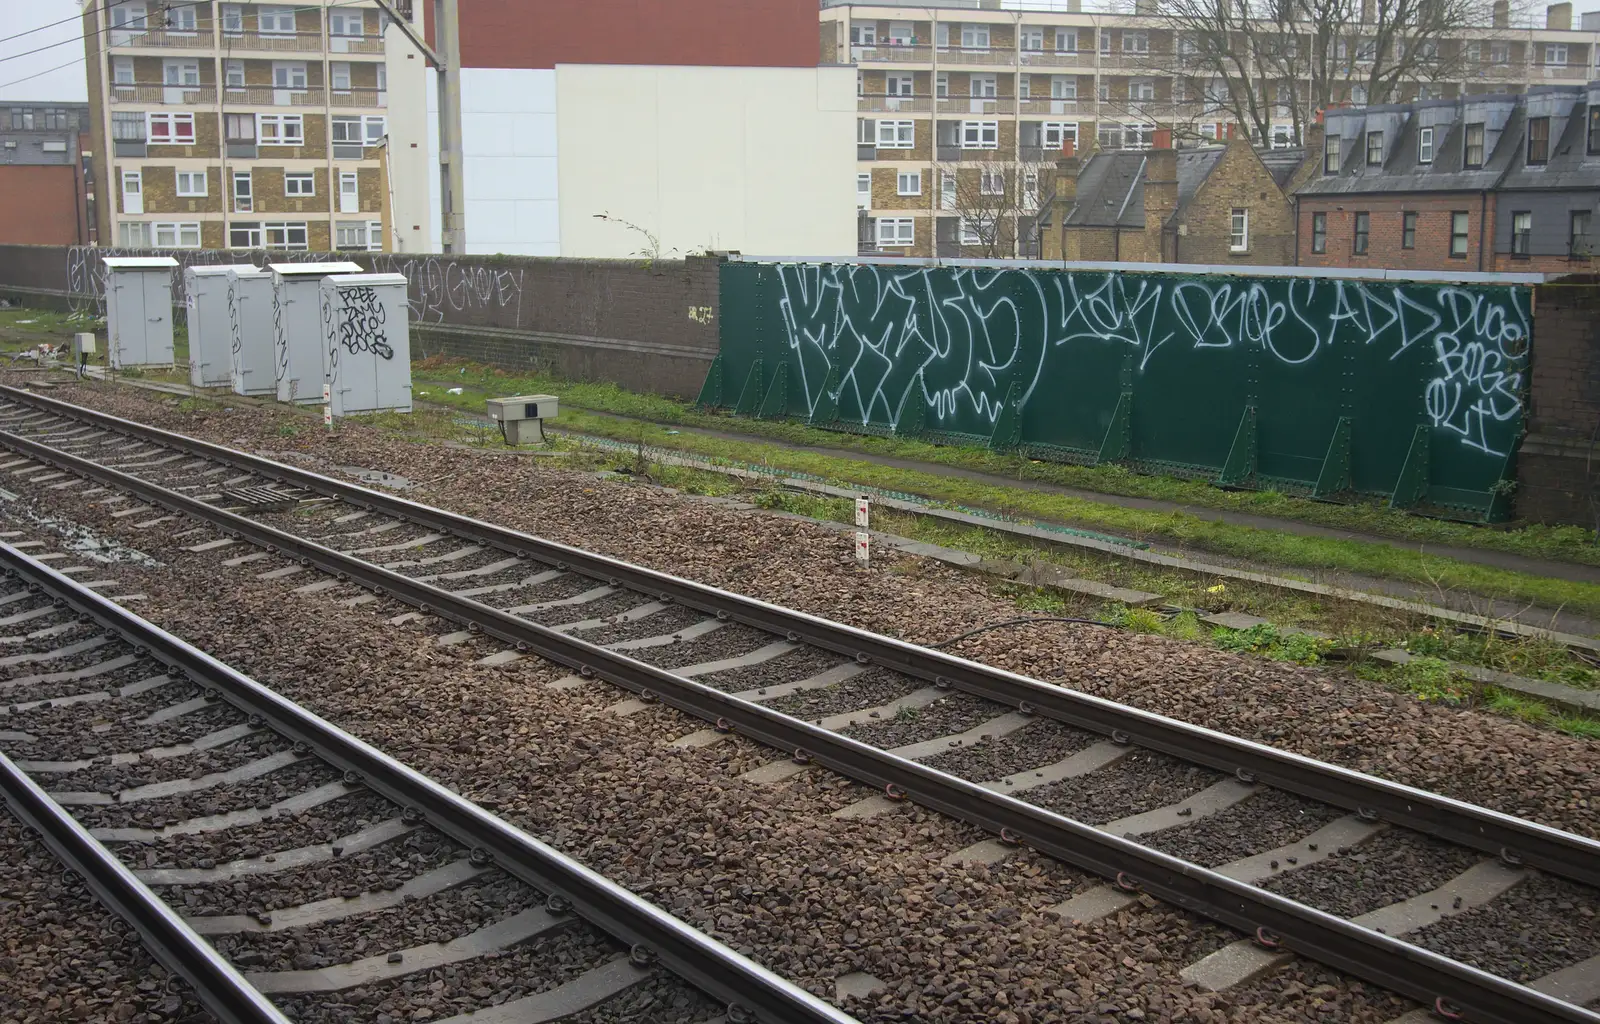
<point x="905" y="713"/>
<point x="288" y="430"/>
<point x="1138" y="620"/>
<point x="1430" y="679"/>
<point x="1266" y="639"/>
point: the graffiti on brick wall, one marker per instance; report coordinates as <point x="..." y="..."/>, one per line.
<point x="956" y="340"/>
<point x="438" y="288"/>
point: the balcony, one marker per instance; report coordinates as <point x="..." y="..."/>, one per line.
<point x="272" y="42"/>
<point x="884" y="104"/>
<point x="267" y="96"/>
<point x="977" y="105"/>
<point x="1136" y="60"/>
<point x="167" y="95"/>
<point x="988" y="56"/>
<point x="891" y="53"/>
<point x="162" y="38"/>
<point x="1058" y="58"/>
<point x="1558" y="73"/>
<point x="355" y="44"/>
<point x="358" y="98"/>
<point x="1063" y="106"/>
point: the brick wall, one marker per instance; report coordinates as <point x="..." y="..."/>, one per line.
<point x="1558" y="465"/>
<point x="41" y="205"/>
<point x="1384" y="249"/>
<point x="1238" y="181"/>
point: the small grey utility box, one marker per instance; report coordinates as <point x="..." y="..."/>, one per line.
<point x="297" y="326"/>
<point x="252" y="362"/>
<point x="210" y="324"/>
<point x="366" y="343"/>
<point x="521" y="417"/>
<point x="139" y="310"/>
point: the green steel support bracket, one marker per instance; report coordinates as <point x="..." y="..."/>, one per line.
<point x="1008" y="425"/>
<point x="1240" y="468"/>
<point x="827" y="408"/>
<point x="750" y="397"/>
<point x="777" y="401"/>
<point x="1118" y="443"/>
<point x="1335" y="475"/>
<point x="1412" y="486"/>
<point x="913" y="418"/>
<point x="711" y="390"/>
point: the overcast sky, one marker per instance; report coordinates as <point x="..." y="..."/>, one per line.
<point x="62" y="83"/>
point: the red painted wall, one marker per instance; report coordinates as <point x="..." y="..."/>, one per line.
<point x="39" y="205"/>
<point x="730" y="33"/>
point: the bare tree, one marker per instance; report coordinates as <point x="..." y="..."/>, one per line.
<point x="1279" y="60"/>
<point x="990" y="200"/>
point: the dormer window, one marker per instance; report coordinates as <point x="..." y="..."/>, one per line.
<point x="1472" y="155"/>
<point x="1374" y="149"/>
<point x="1594" y="131"/>
<point x="1538" y="141"/>
<point x="1424" y="145"/>
<point x="1330" y="155"/>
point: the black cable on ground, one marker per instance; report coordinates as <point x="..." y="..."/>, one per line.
<point x="1022" y="622"/>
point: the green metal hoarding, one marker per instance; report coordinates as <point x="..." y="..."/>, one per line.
<point x="1412" y="390"/>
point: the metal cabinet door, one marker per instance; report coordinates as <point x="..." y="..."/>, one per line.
<point x="125" y="313"/>
<point x="157" y="317"/>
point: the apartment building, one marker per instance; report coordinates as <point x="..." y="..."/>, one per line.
<point x="1506" y="182"/>
<point x="241" y="125"/>
<point x="45" y="186"/>
<point x="944" y="85"/>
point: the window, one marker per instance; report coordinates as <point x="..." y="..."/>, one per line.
<point x="122" y="70"/>
<point x="181" y="18"/>
<point x="864" y="191"/>
<point x="275" y="20"/>
<point x="863" y="33"/>
<point x="1063" y="87"/>
<point x="941" y="85"/>
<point x="864" y="130"/>
<point x="991" y="183"/>
<point x="232" y="20"/>
<point x="133" y="234"/>
<point x="288" y="75"/>
<point x="861" y="83"/>
<point x="339" y="74"/>
<point x="244" y="236"/>
<point x="970" y="233"/>
<point x="1239" y="231"/>
<point x="1319" y="232"/>
<point x="1521" y="233"/>
<point x="1429" y="91"/>
<point x="233" y="74"/>
<point x="184" y="235"/>
<point x="191" y="183"/>
<point x="896" y="134"/>
<point x="359" y="235"/>
<point x="1363" y="230"/>
<point x="1033" y="39"/>
<point x="1105" y="91"/>
<point x="376" y="128"/>
<point x="896" y="231"/>
<point x="22" y="119"/>
<point x="171" y="129"/>
<point x="980" y="134"/>
<point x="1473" y="156"/>
<point x="1474" y="51"/>
<point x="1282" y="136"/>
<point x="1408" y="229"/>
<point x="1135" y="42"/>
<point x="1109" y="136"/>
<point x="1030" y="190"/>
<point x="1578" y="245"/>
<point x="1142" y="89"/>
<point x="1458" y="234"/>
<point x="1374" y="149"/>
<point x="1555" y="53"/>
<point x="1054" y="134"/>
<point x="280" y="129"/>
<point x="974" y="37"/>
<point x="984" y="86"/>
<point x="901" y="33"/>
<point x="947" y="190"/>
<point x="243" y="193"/>
<point x="909" y="183"/>
<point x="240" y="128"/>
<point x="1538" y="140"/>
<point x="130" y="17"/>
<point x="1025" y="87"/>
<point x="284" y="236"/>
<point x="181" y="72"/>
<point x="1138" y="136"/>
<point x="127" y="126"/>
<point x="1067" y="40"/>
<point x="1358" y="95"/>
<point x="1330" y="155"/>
<point x="1594" y="130"/>
<point x="346" y="23"/>
<point x="1105" y="41"/>
<point x="895" y="85"/>
<point x="299" y="183"/>
<point x="55" y="119"/>
<point x="1499" y="53"/>
<point x="1424" y="145"/>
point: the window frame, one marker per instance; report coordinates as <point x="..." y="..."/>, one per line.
<point x="1467" y="146"/>
<point x="173" y="120"/>
<point x="1521" y="234"/>
<point x="1408" y="229"/>
<point x="983" y="134"/>
<point x="976" y="30"/>
<point x="1463" y="218"/>
<point x="1425" y="145"/>
<point x="1135" y="41"/>
<point x="1540" y="156"/>
<point x="1319" y="232"/>
<point x="299" y="184"/>
<point x="365" y="227"/>
<point x="915" y="180"/>
<point x="190" y="192"/>
<point x="1239" y="229"/>
<point x="947" y="190"/>
<point x="1330" y="154"/>
<point x="1361" y="233"/>
<point x="127" y="229"/>
<point x="864" y="177"/>
<point x="1556" y="54"/>
<point x="893" y="240"/>
<point x="1574" y="251"/>
<point x="336" y="70"/>
<point x="894" y="130"/>
<point x="275" y="12"/>
<point x="286" y="229"/>
<point x="1064" y="36"/>
<point x="184" y="66"/>
<point x="982" y="86"/>
<point x="228" y="68"/>
<point x="251" y="232"/>
<point x="177" y="230"/>
<point x="181" y="12"/>
<point x="291" y="70"/>
<point x="1032" y="39"/>
<point x="232" y="19"/>
<point x="281" y="122"/>
<point x="122" y="121"/>
<point x="1375" y="149"/>
<point x="991" y="182"/>
<point x="240" y="119"/>
<point x="118" y="65"/>
<point x="345" y="19"/>
<point x="1060" y="130"/>
<point x="1142" y="86"/>
<point x="243" y="201"/>
<point x="968" y="232"/>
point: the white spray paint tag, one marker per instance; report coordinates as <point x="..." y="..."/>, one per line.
<point x="863" y="543"/>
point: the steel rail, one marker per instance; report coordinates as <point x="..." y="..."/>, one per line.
<point x="172" y="942"/>
<point x="746" y="987"/>
<point x="1374" y="956"/>
<point x="1516" y="839"/>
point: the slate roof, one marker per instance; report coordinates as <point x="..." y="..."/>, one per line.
<point x="1104" y="187"/>
<point x="1570" y="166"/>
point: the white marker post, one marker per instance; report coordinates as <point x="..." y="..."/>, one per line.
<point x="863" y="538"/>
<point x="327" y="405"/>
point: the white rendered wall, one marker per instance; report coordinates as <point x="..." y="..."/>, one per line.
<point x="758" y="160"/>
<point x="412" y="143"/>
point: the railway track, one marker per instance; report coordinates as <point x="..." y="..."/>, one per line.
<point x="1265" y="841"/>
<point x="147" y="766"/>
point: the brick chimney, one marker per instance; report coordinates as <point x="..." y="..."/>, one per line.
<point x="1160" y="185"/>
<point x="1067" y="167"/>
<point x="1558" y="17"/>
<point x="1502" y="14"/>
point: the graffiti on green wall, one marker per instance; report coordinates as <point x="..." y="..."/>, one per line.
<point x="1154" y="367"/>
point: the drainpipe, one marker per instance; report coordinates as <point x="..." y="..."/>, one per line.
<point x="1483" y="223"/>
<point x="1296" y="201"/>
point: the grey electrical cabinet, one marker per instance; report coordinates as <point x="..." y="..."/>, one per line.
<point x="251" y="360"/>
<point x="210" y="324"/>
<point x="521" y="417"/>
<point x="297" y="327"/>
<point x="139" y="310"/>
<point x="367" y="343"/>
